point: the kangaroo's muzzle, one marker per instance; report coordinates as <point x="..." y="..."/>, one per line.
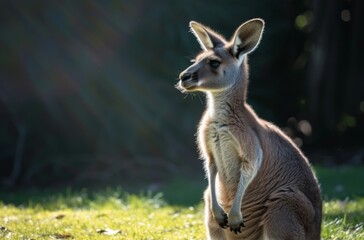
<point x="188" y="80"/>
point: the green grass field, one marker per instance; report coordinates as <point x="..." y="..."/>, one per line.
<point x="115" y="214"/>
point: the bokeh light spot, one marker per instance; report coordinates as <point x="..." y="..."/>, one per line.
<point x="345" y="15"/>
<point x="361" y="106"/>
<point x="305" y="127"/>
<point x="350" y="121"/>
<point x="301" y="21"/>
<point x="298" y="141"/>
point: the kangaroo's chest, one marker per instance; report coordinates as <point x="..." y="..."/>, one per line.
<point x="225" y="149"/>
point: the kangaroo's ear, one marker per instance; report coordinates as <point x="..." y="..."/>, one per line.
<point x="247" y="37"/>
<point x="207" y="38"/>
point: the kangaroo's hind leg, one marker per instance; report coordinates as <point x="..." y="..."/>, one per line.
<point x="288" y="216"/>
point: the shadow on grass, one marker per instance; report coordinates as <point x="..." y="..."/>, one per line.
<point x="336" y="183"/>
<point x="176" y="192"/>
<point x="341" y="182"/>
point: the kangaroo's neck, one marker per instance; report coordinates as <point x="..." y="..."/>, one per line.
<point x="231" y="100"/>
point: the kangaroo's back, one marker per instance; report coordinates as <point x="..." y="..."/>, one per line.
<point x="285" y="177"/>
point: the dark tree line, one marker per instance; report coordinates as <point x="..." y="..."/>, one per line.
<point x="87" y="88"/>
<point x="336" y="72"/>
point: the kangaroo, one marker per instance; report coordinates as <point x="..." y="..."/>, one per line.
<point x="260" y="185"/>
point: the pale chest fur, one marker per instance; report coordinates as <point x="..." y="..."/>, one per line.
<point x="225" y="149"/>
<point x="234" y="151"/>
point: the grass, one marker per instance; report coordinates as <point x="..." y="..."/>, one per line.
<point x="115" y="214"/>
<point x="102" y="215"/>
<point x="343" y="219"/>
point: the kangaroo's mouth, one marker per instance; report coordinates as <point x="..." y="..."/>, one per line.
<point x="188" y="81"/>
<point x="186" y="86"/>
<point x="189" y="84"/>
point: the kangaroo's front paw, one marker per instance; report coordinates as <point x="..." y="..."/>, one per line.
<point x="221" y="218"/>
<point x="236" y="222"/>
<point x="223" y="221"/>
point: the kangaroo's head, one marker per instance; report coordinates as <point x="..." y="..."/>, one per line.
<point x="218" y="66"/>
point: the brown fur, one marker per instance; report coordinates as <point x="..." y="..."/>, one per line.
<point x="260" y="184"/>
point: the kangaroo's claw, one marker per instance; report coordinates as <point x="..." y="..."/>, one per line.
<point x="237" y="229"/>
<point x="224" y="222"/>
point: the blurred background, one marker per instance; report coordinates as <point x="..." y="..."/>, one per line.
<point x="87" y="94"/>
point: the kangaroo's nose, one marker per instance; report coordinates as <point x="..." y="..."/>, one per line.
<point x="184" y="76"/>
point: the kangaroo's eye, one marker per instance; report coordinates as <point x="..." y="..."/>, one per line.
<point x="214" y="64"/>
